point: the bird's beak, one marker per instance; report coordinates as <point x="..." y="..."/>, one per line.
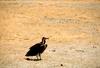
<point x="46" y="38"/>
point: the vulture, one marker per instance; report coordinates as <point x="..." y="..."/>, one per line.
<point x="38" y="49"/>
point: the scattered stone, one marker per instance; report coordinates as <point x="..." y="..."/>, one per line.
<point x="94" y="47"/>
<point x="80" y="50"/>
<point x="61" y="64"/>
<point x="53" y="50"/>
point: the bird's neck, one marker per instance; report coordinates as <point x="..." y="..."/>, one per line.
<point x="43" y="41"/>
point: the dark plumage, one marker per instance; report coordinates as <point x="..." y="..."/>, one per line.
<point x="37" y="49"/>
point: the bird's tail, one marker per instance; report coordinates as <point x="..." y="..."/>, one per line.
<point x="28" y="53"/>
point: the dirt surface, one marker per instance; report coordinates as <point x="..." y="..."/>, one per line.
<point x="73" y="28"/>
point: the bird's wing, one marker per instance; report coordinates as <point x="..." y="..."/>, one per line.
<point x="42" y="48"/>
<point x="35" y="46"/>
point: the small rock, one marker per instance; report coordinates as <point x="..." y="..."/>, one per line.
<point x="61" y="64"/>
<point x="53" y="50"/>
<point x="94" y="47"/>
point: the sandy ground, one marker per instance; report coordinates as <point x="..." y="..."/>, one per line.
<point x="71" y="25"/>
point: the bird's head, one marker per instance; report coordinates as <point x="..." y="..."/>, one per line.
<point x="44" y="38"/>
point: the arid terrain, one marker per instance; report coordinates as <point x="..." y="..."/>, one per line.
<point x="73" y="28"/>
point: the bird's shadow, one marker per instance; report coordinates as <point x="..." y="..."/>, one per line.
<point x="29" y="59"/>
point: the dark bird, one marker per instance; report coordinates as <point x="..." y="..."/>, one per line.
<point x="37" y="49"/>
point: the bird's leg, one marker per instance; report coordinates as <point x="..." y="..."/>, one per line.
<point x="37" y="57"/>
<point x="40" y="56"/>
